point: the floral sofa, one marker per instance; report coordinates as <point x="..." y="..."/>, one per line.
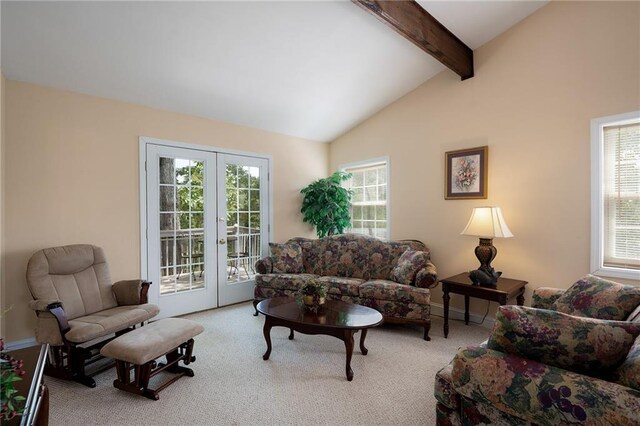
<point x="574" y="358"/>
<point x="393" y="277"/>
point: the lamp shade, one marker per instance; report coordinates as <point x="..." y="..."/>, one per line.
<point x="487" y="222"/>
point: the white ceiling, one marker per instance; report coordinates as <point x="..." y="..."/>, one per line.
<point x="309" y="69"/>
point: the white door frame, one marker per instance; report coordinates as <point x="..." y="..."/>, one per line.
<point x="143" y="141"/>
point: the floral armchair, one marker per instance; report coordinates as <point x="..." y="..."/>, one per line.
<point x="553" y="363"/>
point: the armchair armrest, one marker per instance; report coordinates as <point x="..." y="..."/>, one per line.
<point x="540" y="393"/>
<point x="42" y="305"/>
<point x="427" y="277"/>
<point x="264" y="265"/>
<point x="543" y="297"/>
<point x="52" y="322"/>
<point x="131" y="292"/>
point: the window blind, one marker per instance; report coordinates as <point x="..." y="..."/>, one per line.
<point x="621" y="191"/>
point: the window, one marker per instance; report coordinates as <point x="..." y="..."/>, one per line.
<point x="369" y="205"/>
<point x="616" y="195"/>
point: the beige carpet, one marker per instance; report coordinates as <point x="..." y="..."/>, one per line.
<point x="303" y="383"/>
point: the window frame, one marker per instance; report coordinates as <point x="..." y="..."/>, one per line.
<point x="372" y="162"/>
<point x="597" y="195"/>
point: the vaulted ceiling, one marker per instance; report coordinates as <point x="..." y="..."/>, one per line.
<point x="310" y="69"/>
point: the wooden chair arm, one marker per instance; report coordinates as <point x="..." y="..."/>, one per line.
<point x="57" y="311"/>
<point x="144" y="292"/>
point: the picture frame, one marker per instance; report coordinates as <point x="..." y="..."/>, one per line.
<point x="466" y="173"/>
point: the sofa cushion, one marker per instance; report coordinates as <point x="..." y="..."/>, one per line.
<point x="105" y="322"/>
<point x="348" y="255"/>
<point x="545" y="297"/>
<point x="585" y="345"/>
<point x="628" y="374"/>
<point x="342" y="285"/>
<point x="389" y="290"/>
<point x="595" y="297"/>
<point x="313" y="252"/>
<point x="287" y="257"/>
<point x="409" y="263"/>
<point x="284" y="281"/>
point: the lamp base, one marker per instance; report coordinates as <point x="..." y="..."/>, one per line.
<point x="485" y="277"/>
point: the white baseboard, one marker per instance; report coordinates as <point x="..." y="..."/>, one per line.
<point x="458" y="314"/>
<point x="20" y="344"/>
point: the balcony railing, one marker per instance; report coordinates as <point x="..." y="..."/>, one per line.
<point x="182" y="257"/>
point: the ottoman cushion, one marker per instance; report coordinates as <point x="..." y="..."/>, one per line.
<point x="151" y="341"/>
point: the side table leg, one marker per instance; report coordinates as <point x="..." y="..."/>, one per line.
<point x="348" y="344"/>
<point x="267" y="336"/>
<point x="520" y="299"/>
<point x="363" y="336"/>
<point x="445" y="299"/>
<point x="466" y="310"/>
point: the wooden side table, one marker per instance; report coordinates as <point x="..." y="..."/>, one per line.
<point x="506" y="289"/>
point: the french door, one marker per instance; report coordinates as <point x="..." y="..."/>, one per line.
<point x="207" y="224"/>
<point x="242" y="224"/>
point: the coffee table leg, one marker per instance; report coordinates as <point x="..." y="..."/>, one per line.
<point x="348" y="344"/>
<point x="363" y="336"/>
<point x="267" y="336"/>
<point x="291" y="334"/>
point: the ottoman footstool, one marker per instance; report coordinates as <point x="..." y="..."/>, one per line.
<point x="139" y="349"/>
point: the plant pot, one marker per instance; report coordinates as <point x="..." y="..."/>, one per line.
<point x="308" y="300"/>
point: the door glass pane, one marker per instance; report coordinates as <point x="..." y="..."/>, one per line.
<point x="181" y="225"/>
<point x="243" y="220"/>
<point x="167" y="198"/>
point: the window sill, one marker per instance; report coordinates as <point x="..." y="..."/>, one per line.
<point x="607" y="272"/>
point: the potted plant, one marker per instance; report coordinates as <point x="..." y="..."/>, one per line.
<point x="325" y="204"/>
<point x="10" y="372"/>
<point x="312" y="295"/>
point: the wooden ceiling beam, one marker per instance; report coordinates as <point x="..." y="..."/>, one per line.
<point x="418" y="26"/>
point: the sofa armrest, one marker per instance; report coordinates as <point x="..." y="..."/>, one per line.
<point x="541" y="393"/>
<point x="131" y="292"/>
<point x="264" y="265"/>
<point x="543" y="297"/>
<point x="427" y="277"/>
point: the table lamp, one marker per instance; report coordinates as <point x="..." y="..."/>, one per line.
<point x="486" y="223"/>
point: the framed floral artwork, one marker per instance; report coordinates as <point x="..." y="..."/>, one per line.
<point x="466" y="173"/>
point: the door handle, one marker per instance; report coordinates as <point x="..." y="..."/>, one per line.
<point x="222" y="241"/>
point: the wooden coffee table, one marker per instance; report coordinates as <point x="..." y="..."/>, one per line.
<point x="335" y="318"/>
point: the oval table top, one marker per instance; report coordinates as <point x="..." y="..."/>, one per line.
<point x="334" y="313"/>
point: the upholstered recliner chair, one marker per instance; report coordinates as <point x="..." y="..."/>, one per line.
<point x="79" y="309"/>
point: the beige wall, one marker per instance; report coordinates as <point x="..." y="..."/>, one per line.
<point x="536" y="88"/>
<point x="72" y="177"/>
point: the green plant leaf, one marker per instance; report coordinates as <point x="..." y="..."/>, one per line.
<point x="326" y="204"/>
